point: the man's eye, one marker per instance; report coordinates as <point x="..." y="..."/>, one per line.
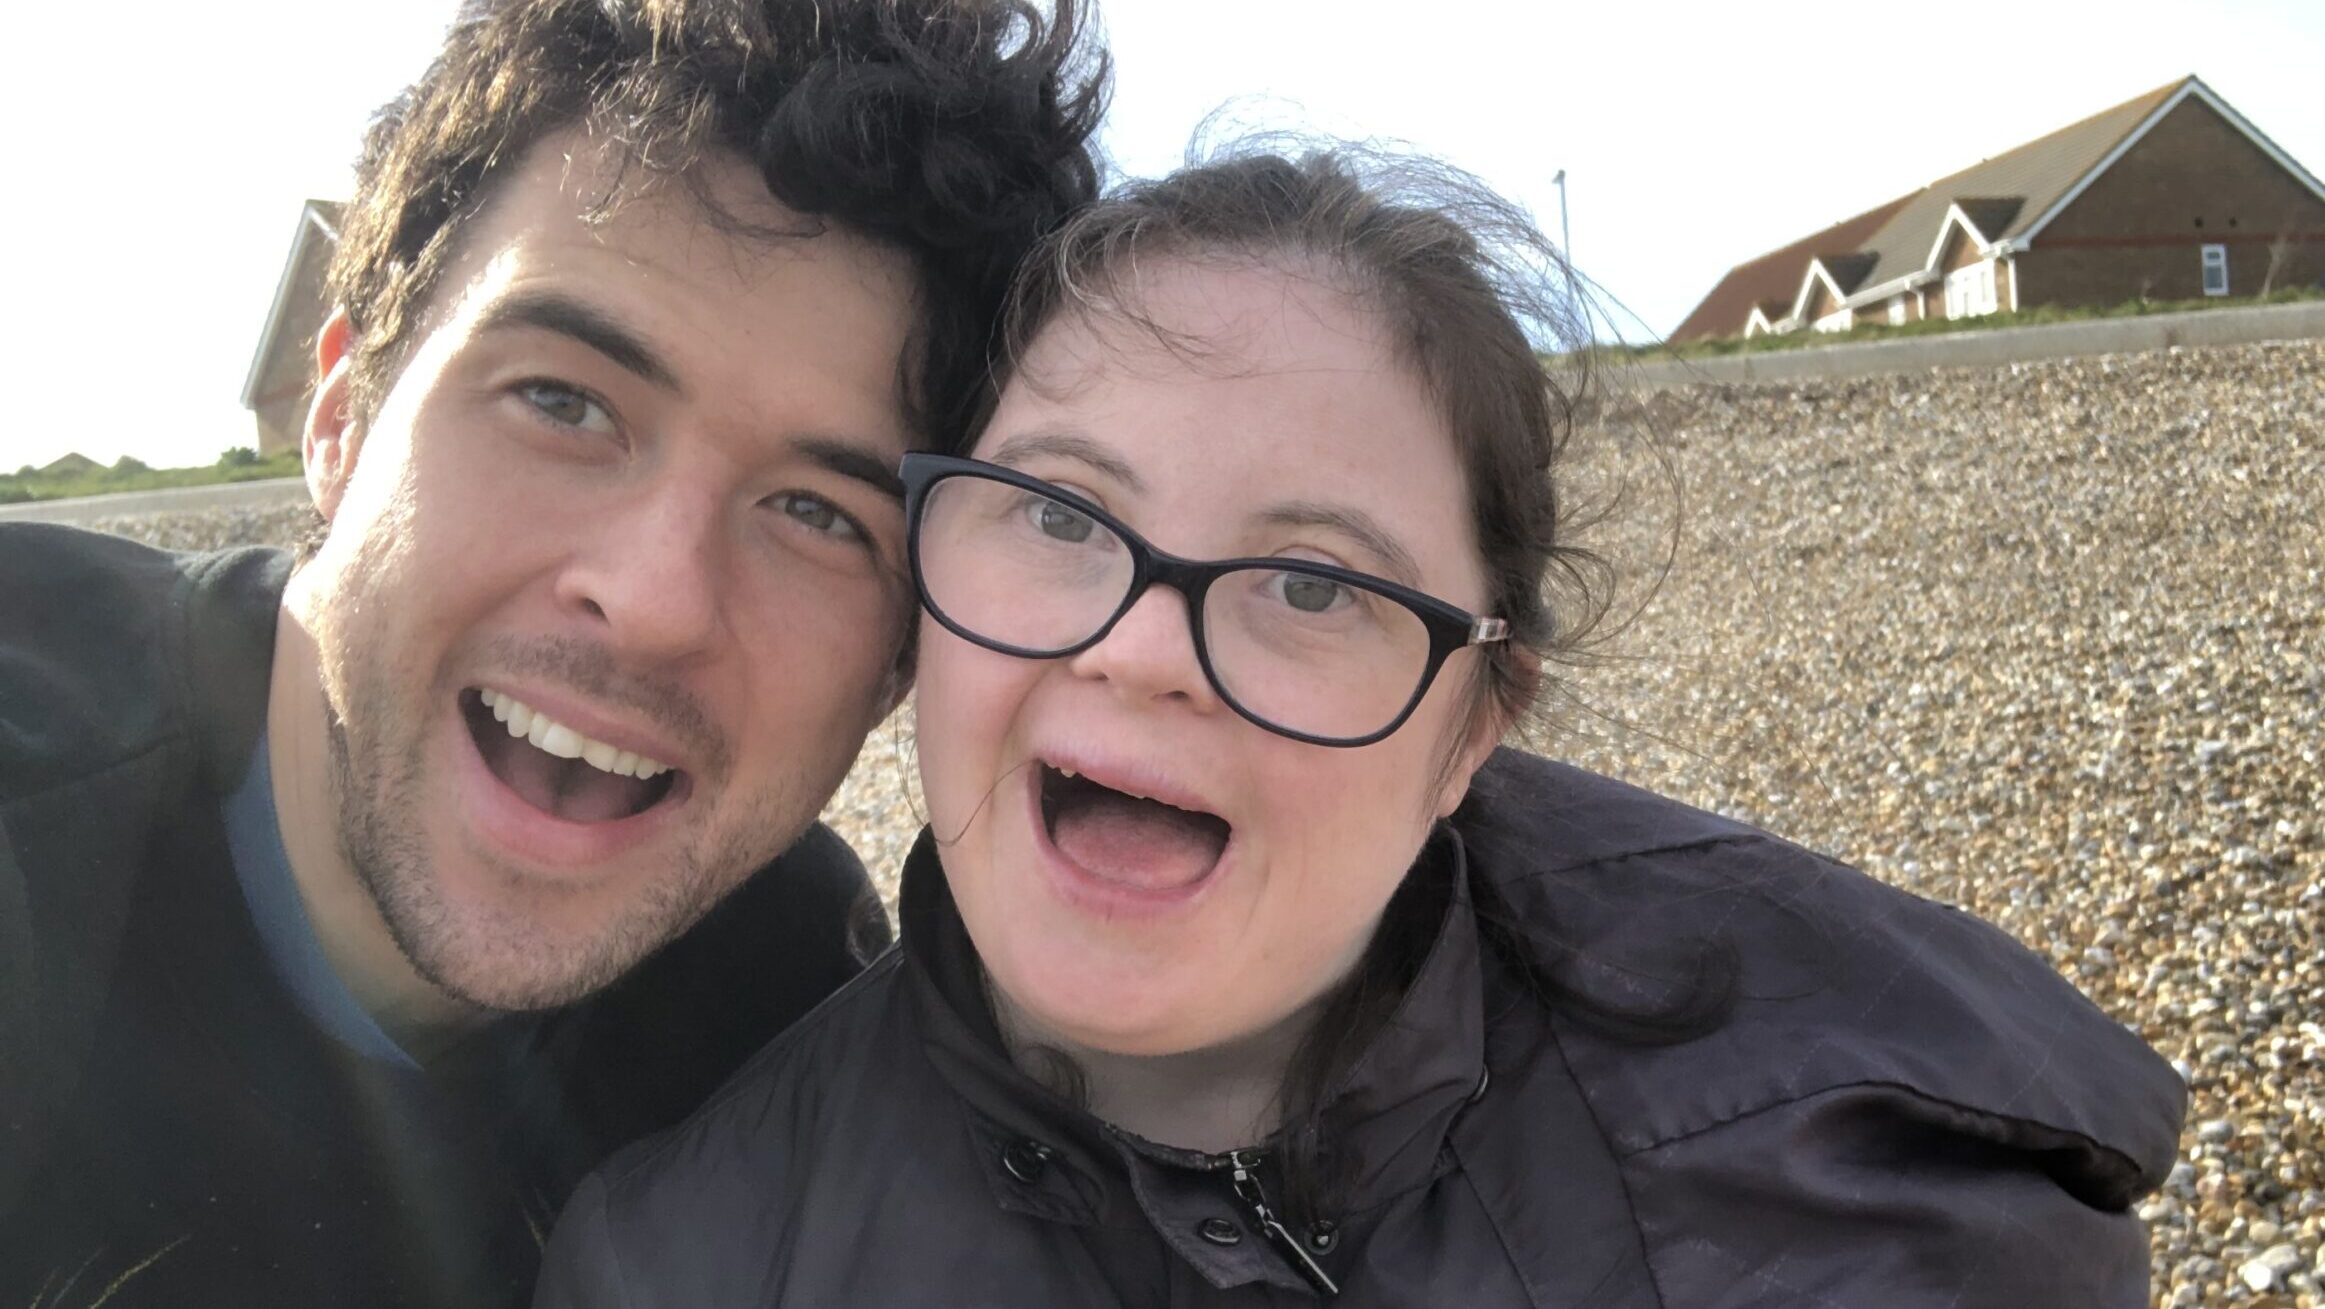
<point x="818" y="514"/>
<point x="563" y="404"/>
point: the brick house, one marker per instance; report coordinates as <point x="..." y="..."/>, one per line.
<point x="282" y="372"/>
<point x="2172" y="195"/>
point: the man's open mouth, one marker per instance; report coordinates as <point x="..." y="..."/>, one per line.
<point x="1129" y="839"/>
<point x="558" y="770"/>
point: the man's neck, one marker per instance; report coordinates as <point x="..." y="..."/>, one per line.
<point x="414" y="1012"/>
<point x="1218" y="1098"/>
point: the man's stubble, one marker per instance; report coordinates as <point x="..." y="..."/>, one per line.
<point x="493" y="955"/>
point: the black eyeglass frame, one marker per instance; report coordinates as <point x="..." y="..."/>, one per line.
<point x="1449" y="626"/>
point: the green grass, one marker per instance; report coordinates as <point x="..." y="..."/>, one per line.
<point x="240" y="464"/>
<point x="1805" y="339"/>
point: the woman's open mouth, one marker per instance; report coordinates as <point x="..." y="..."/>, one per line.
<point x="1128" y="840"/>
<point x="559" y="771"/>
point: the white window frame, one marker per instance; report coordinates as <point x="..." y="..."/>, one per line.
<point x="2215" y="259"/>
<point x="1896" y="311"/>
<point x="1839" y="320"/>
<point x="1970" y="290"/>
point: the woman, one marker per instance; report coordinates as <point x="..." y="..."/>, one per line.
<point x="1236" y="966"/>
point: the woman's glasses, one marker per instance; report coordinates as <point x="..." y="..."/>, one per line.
<point x="1314" y="652"/>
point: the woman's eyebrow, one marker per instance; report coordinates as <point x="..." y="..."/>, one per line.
<point x="1357" y="525"/>
<point x="1060" y="444"/>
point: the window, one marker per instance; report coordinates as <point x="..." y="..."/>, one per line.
<point x="1839" y="320"/>
<point x="1970" y="291"/>
<point x="1896" y="310"/>
<point x="2215" y="270"/>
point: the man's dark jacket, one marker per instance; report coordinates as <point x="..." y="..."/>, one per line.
<point x="1906" y="1110"/>
<point x="173" y="1128"/>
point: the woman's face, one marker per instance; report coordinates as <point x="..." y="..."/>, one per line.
<point x="1283" y="426"/>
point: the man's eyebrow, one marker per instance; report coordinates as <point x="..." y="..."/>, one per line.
<point x="1355" y="524"/>
<point x="853" y="461"/>
<point x="1065" y="445"/>
<point x="552" y="311"/>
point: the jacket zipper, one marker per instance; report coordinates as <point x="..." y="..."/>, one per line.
<point x="1245" y="1164"/>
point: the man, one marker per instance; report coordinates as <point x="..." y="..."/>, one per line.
<point x="331" y="895"/>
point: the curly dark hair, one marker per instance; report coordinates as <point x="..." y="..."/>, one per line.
<point x="956" y="131"/>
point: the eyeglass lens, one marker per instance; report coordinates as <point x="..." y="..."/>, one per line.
<point x="1305" y="653"/>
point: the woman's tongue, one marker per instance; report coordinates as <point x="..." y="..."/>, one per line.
<point x="1140" y="843"/>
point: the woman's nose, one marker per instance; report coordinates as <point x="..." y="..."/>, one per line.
<point x="1149" y="653"/>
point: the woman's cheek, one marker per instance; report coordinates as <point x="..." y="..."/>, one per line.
<point x="964" y="716"/>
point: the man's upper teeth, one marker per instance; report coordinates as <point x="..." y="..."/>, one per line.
<point x="556" y="738"/>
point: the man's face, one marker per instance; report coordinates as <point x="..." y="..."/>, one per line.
<point x="631" y="494"/>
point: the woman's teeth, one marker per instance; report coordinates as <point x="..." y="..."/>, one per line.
<point x="553" y="737"/>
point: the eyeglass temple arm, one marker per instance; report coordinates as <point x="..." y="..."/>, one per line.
<point x="1489" y="629"/>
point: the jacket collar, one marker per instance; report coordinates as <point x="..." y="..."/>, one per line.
<point x="1388" y="1117"/>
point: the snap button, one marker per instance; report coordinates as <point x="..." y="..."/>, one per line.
<point x="1026" y="1160"/>
<point x="1218" y="1231"/>
<point x="1323" y="1234"/>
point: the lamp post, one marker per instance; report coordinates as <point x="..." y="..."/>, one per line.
<point x="1566" y="257"/>
<point x="1565" y="240"/>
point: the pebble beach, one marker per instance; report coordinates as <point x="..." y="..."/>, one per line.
<point x="2045" y="642"/>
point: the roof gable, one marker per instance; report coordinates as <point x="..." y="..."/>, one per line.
<point x="1990" y="216"/>
<point x="2190" y="88"/>
<point x="2031" y="177"/>
<point x="298" y="308"/>
<point x="1774" y="280"/>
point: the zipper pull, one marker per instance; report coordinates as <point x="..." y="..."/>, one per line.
<point x="1247" y="1189"/>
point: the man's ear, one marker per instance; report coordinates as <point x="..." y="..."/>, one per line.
<point x="1487" y="732"/>
<point x="332" y="439"/>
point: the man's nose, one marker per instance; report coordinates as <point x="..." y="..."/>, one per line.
<point x="1149" y="653"/>
<point x="650" y="579"/>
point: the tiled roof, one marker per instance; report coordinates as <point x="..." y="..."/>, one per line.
<point x="1772" y="280"/>
<point x="2035" y="174"/>
<point x="2001" y="196"/>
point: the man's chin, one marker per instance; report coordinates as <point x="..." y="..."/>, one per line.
<point x="515" y="953"/>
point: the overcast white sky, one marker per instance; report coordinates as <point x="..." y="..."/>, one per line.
<point x="161" y="152"/>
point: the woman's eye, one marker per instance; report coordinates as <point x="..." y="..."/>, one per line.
<point x="563" y="404"/>
<point x="1312" y="595"/>
<point x="817" y="514"/>
<point x="1056" y="521"/>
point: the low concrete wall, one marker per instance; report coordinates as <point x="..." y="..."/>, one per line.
<point x="177" y="500"/>
<point x="2300" y="321"/>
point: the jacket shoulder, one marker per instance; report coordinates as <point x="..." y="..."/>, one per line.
<point x="98" y="658"/>
<point x="84" y="673"/>
<point x="1840" y="981"/>
<point x="821" y="1100"/>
